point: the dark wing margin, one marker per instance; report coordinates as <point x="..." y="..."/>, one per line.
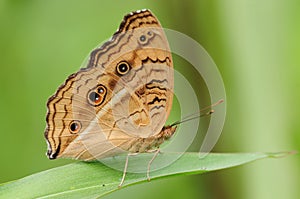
<point x="124" y="26"/>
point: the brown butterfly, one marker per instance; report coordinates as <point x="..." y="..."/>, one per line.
<point x="120" y="102"/>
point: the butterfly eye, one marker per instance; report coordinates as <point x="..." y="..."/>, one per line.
<point x="97" y="95"/>
<point x="123" y="68"/>
<point x="75" y="126"/>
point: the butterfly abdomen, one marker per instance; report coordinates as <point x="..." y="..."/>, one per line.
<point x="141" y="145"/>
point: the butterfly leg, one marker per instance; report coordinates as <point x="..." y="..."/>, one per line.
<point x="156" y="152"/>
<point x="125" y="168"/>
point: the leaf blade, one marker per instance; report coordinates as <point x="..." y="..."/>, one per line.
<point x="93" y="179"/>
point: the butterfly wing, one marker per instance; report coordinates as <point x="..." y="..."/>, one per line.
<point x="124" y="94"/>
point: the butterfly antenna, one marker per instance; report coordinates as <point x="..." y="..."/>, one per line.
<point x="201" y="112"/>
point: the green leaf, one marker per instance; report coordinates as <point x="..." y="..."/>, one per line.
<point x="93" y="179"/>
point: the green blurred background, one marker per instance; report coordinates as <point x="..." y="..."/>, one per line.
<point x="254" y="43"/>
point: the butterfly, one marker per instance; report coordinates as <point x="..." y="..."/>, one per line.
<point x="120" y="101"/>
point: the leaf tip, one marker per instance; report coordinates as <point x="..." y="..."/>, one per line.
<point x="282" y="154"/>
